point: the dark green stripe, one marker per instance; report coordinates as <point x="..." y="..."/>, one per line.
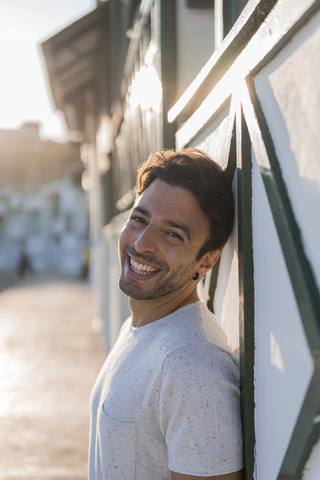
<point x="232" y="160"/>
<point x="246" y="292"/>
<point x="213" y="284"/>
<point x="168" y="67"/>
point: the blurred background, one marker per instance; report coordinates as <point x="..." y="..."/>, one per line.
<point x="88" y="89"/>
<point x="49" y="354"/>
<point x="43" y="209"/>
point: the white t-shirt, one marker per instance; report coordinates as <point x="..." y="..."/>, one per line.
<point x="167" y="398"/>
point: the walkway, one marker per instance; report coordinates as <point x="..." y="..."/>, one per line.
<point x="49" y="359"/>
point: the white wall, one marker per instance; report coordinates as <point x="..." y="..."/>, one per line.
<point x="283" y="364"/>
<point x="226" y="300"/>
<point x="289" y="91"/>
<point x="115" y="307"/>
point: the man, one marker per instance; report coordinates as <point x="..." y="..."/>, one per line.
<point x="166" y="403"/>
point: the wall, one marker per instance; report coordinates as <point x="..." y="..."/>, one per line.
<point x="283" y="364"/>
<point x="289" y="91"/>
<point x="226" y="298"/>
<point x="114" y="305"/>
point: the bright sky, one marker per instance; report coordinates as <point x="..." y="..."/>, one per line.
<point x="24" y="91"/>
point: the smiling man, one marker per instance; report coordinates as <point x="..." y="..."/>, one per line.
<point x="166" y="403"/>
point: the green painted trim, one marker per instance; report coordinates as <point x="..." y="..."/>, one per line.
<point x="213" y="284"/>
<point x="168" y="67"/>
<point x="246" y="291"/>
<point x="230" y="153"/>
<point x="302" y="279"/>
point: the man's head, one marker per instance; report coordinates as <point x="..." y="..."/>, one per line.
<point x="194" y="171"/>
<point x="180" y="221"/>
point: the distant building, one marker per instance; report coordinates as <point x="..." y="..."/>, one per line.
<point x="43" y="209"/>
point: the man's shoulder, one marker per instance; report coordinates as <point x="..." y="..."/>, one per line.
<point x="192" y="340"/>
<point x="193" y="323"/>
<point x="201" y="360"/>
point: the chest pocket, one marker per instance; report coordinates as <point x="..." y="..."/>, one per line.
<point x="117" y="444"/>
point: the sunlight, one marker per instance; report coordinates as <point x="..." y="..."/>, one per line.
<point x="275" y="353"/>
<point x="146" y="89"/>
<point x="24" y="92"/>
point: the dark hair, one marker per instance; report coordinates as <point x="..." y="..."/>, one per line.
<point x="196" y="172"/>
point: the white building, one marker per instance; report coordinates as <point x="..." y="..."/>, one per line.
<point x="43" y="209"/>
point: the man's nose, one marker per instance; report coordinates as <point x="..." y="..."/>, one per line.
<point x="146" y="241"/>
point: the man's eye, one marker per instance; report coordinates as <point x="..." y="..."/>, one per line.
<point x="175" y="235"/>
<point x="137" y="219"/>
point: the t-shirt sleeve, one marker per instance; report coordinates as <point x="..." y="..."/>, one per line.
<point x="200" y="411"/>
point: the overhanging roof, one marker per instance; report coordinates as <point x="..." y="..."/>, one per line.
<point x="76" y="60"/>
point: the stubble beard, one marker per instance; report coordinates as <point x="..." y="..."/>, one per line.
<point x="164" y="285"/>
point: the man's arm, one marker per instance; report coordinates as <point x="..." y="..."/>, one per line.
<point x="229" y="476"/>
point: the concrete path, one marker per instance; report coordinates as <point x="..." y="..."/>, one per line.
<point x="49" y="360"/>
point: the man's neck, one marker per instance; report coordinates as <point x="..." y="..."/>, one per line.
<point x="148" y="311"/>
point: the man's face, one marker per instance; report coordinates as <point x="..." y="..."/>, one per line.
<point x="159" y="243"/>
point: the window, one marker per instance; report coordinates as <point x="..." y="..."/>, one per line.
<point x="34" y="223"/>
<point x="200" y="3"/>
<point x="69" y="222"/>
<point x="1" y="229"/>
<point x="54" y="204"/>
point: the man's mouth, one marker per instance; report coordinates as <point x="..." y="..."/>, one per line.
<point x="142" y="268"/>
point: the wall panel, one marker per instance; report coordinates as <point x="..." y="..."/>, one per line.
<point x="289" y="93"/>
<point x="283" y="364"/>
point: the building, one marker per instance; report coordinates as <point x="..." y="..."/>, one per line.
<point x="43" y="209"/>
<point x="239" y="80"/>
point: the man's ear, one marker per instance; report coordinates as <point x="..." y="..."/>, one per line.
<point x="207" y="262"/>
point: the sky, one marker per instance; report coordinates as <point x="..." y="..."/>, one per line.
<point x="24" y="90"/>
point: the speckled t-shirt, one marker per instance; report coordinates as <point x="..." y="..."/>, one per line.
<point x="167" y="398"/>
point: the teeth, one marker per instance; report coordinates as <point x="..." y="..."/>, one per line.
<point x="142" y="269"/>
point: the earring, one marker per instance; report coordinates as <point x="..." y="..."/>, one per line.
<point x="196" y="276"/>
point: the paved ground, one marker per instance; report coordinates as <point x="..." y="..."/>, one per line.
<point x="49" y="359"/>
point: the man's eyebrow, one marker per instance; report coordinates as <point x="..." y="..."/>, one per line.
<point x="142" y="210"/>
<point x="182" y="227"/>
